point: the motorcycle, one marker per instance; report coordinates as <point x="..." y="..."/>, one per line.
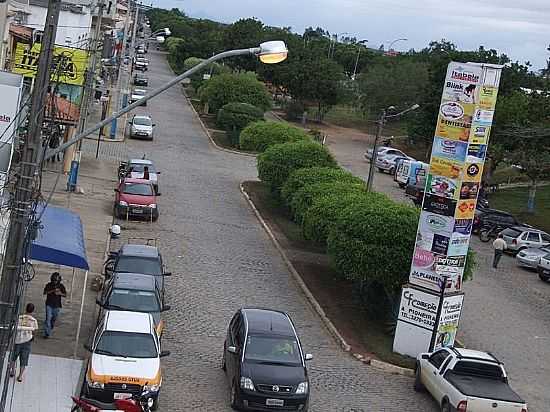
<point x="487" y="233"/>
<point x="136" y="403"/>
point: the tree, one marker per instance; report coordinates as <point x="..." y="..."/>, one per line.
<point x="234" y="88"/>
<point x="243" y="34"/>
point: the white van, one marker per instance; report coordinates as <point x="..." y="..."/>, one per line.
<point x="407" y="170"/>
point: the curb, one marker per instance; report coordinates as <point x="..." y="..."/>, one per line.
<point x="327" y="322"/>
<point x="205" y="129"/>
<point x="375" y="363"/>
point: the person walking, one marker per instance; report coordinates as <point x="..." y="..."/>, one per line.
<point x="26" y="325"/>
<point x="500" y="245"/>
<point x="54" y="291"/>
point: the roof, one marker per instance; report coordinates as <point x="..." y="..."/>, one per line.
<point x="470" y="353"/>
<point x="140" y="162"/>
<point x="268" y="321"/>
<point x="527" y="228"/>
<point x="139" y="250"/>
<point x="125" y="321"/>
<point x="134" y="281"/>
<point x="136" y="180"/>
<point x="60" y="239"/>
<point x="24" y="33"/>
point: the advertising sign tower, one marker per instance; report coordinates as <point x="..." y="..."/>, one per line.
<point x="431" y="302"/>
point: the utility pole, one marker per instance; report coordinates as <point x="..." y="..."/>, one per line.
<point x="380" y="122"/>
<point x="25" y="194"/>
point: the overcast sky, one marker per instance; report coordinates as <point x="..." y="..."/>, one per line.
<point x="519" y="28"/>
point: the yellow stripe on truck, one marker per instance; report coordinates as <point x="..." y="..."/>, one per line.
<point x="93" y="377"/>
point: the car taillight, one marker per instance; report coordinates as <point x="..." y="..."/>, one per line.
<point x="514" y="242"/>
<point x="461" y="407"/>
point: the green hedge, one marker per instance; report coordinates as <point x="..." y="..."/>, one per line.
<point x="280" y="160"/>
<point x="234" y="117"/>
<point x="374" y="242"/>
<point x="230" y="88"/>
<point x="320" y="217"/>
<point x="307" y="176"/>
<point x="304" y="197"/>
<point x="258" y="136"/>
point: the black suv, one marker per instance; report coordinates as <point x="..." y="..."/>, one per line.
<point x="491" y="217"/>
<point x="141" y="80"/>
<point x="264" y="362"/>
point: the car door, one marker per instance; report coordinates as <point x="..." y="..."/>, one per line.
<point x="533" y="239"/>
<point x="431" y="368"/>
<point x="545" y="239"/>
<point x="232" y="359"/>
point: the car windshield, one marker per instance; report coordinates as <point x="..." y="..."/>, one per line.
<point x="261" y="348"/>
<point x="142" y="121"/>
<point x="139" y="92"/>
<point x="126" y="344"/>
<point x="138" y="167"/>
<point x="142" y="189"/>
<point x="137" y="264"/>
<point x="511" y="232"/>
<point x="134" y="300"/>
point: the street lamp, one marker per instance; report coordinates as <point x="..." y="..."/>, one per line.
<point x="381" y="121"/>
<point x="269" y="52"/>
<point x="357" y="60"/>
<point x="395" y="41"/>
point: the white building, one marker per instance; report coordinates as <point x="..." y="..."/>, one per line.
<point x="75" y="20"/>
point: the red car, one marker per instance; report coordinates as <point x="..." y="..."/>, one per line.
<point x="136" y="197"/>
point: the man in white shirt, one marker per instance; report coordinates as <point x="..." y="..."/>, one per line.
<point x="500" y="245"/>
<point x="26" y="325"/>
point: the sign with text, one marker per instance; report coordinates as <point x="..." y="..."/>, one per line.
<point x="449" y="318"/>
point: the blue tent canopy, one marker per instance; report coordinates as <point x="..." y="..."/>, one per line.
<point x="60" y="240"/>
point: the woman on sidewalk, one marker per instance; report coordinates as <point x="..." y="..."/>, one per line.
<point x="23" y="339"/>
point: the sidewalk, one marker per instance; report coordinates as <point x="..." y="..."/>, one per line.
<point x="56" y="363"/>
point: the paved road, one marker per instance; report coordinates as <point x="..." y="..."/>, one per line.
<point x="221" y="259"/>
<point x="505" y="311"/>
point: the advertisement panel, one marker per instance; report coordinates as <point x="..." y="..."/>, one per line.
<point x="442" y="186"/>
<point x="445" y="167"/>
<point x="449" y="318"/>
<point x="449" y="149"/>
<point x="68" y="63"/>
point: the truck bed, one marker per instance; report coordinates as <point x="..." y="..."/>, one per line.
<point x="486" y="388"/>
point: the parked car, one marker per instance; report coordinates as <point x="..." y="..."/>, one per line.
<point x="140" y="65"/>
<point x="136" y="95"/>
<point x="141" y="80"/>
<point x="388" y="162"/>
<point x="135" y="292"/>
<point x="265" y="363"/>
<point x="125" y="358"/>
<point x="384" y="150"/>
<point x="135" y="167"/>
<point x="136" y="198"/>
<point x="518" y="238"/>
<point x="544" y="268"/>
<point x="140" y="258"/>
<point x="491" y="217"/>
<point x="465" y="380"/>
<point x="141" y="126"/>
<point x="530" y="257"/>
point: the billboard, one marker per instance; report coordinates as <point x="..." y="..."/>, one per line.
<point x="71" y="63"/>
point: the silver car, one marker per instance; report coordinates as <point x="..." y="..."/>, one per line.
<point x="141" y="127"/>
<point x="383" y="150"/>
<point x="137" y="168"/>
<point x="518" y="238"/>
<point x="530" y="257"/>
<point x="544" y="268"/>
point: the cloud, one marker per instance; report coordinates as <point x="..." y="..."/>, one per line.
<point x="519" y="29"/>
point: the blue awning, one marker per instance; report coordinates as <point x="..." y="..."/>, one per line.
<point x="60" y="240"/>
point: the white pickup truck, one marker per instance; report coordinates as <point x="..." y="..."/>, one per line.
<point x="465" y="380"/>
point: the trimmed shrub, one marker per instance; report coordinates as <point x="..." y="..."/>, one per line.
<point x="234" y="117"/>
<point x="325" y="209"/>
<point x="374" y="242"/>
<point x="307" y="176"/>
<point x="258" y="136"/>
<point x="280" y="160"/>
<point x="230" y="88"/>
<point x="303" y="198"/>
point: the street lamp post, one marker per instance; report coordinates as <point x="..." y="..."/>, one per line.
<point x="357" y="60"/>
<point x="381" y="121"/>
<point x="270" y="52"/>
<point x="395" y="41"/>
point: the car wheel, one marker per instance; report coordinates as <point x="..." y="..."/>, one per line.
<point x="235" y="401"/>
<point x="155" y="405"/>
<point x="418" y="387"/>
<point x="543" y="277"/>
<point x="445" y="406"/>
<point x="381" y="170"/>
<point x="401" y="185"/>
<point x="484" y="236"/>
<point x="224" y="366"/>
<point x="392" y="171"/>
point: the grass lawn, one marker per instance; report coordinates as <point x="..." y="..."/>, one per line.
<point x="514" y="200"/>
<point x="364" y="333"/>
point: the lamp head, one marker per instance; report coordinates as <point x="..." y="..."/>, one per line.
<point x="160" y="39"/>
<point x="272" y="52"/>
<point x="167" y="31"/>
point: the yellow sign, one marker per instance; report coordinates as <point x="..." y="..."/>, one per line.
<point x="69" y="65"/>
<point x="455" y="120"/>
<point x="465" y="209"/>
<point x="473" y="172"/>
<point x="446" y="168"/>
<point x="479" y="134"/>
<point x="488" y="97"/>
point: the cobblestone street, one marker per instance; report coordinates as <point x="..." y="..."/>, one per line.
<point x="221" y="259"/>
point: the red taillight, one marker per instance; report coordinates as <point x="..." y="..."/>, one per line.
<point x="514" y="242"/>
<point x="461" y="407"/>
